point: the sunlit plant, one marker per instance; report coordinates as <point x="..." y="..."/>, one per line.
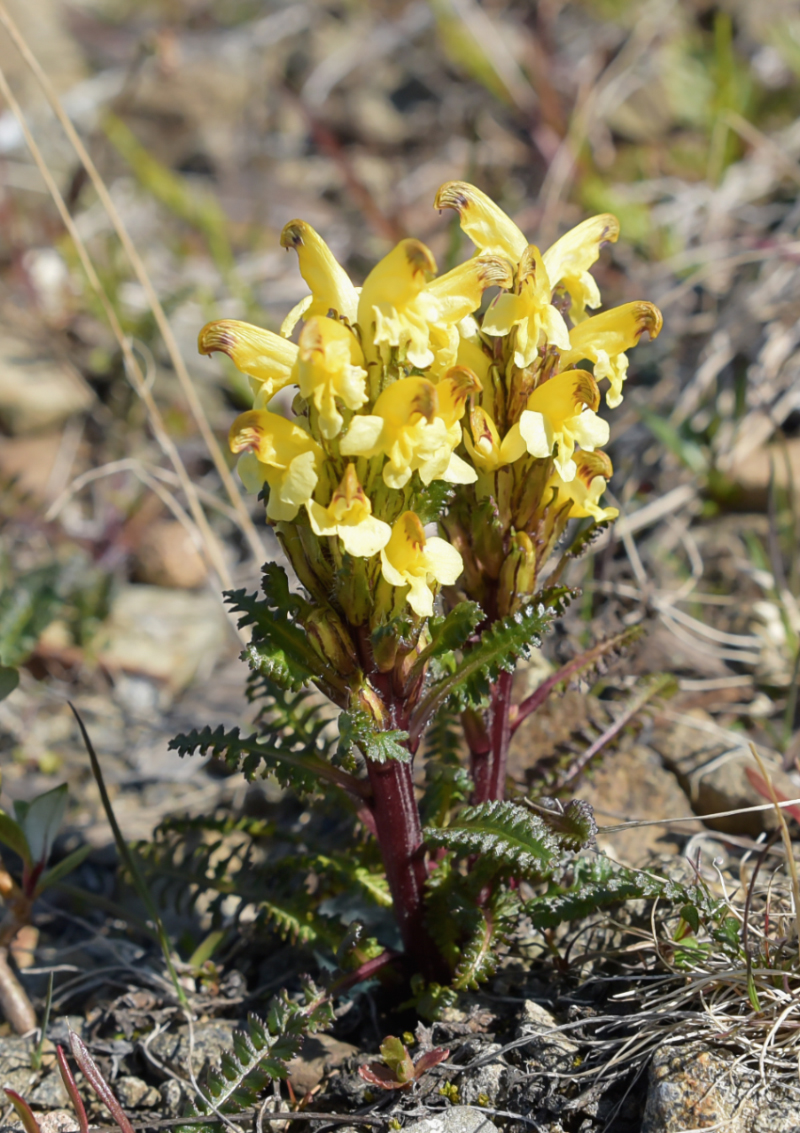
<point x="431" y="463"/>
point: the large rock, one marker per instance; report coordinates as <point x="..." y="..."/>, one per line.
<point x="711" y="769"/>
<point x="633" y="783"/>
<point x="699" y="1088"/>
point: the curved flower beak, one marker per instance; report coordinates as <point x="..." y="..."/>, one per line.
<point x="410" y="559"/>
<point x="459" y="292"/>
<point x="349" y="515"/>
<point x="569" y="259"/>
<point x="604" y="338"/>
<point x="487" y="226"/>
<point x="458" y="384"/>
<point x="330" y="366"/>
<point x="330" y="285"/>
<point x="265" y="356"/>
<point x="530" y="311"/>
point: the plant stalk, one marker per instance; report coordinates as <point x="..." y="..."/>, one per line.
<point x="489" y="767"/>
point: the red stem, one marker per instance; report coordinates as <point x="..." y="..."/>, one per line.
<point x="489" y="769"/>
<point x="399" y="834"/>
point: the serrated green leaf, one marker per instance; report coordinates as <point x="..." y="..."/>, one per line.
<point x="498" y="650"/>
<point x="357" y="729"/>
<point x="505" y="836"/>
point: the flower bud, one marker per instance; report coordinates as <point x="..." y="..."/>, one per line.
<point x="329" y="636"/>
<point x="517" y="575"/>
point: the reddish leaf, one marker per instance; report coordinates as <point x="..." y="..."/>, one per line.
<point x="758" y="783"/>
<point x="24" y="1112"/>
<point x="429" y="1059"/>
<point x="72" y="1089"/>
<point x="91" y="1072"/>
<point x="379" y="1075"/>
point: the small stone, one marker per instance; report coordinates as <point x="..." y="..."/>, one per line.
<point x="483" y="1085"/>
<point x="133" y="1093"/>
<point x="454" y="1119"/>
<point x="49" y="1093"/>
<point x="173" y="1096"/>
<point x="167" y="556"/>
<point x="318" y="1056"/>
<point x="58" y="1121"/>
<point x="210" y="1042"/>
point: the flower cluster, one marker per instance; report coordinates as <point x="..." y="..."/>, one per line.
<point x="412" y="408"/>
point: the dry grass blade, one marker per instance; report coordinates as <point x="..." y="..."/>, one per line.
<point x="211" y="544"/>
<point x="787" y="841"/>
<point x="137" y="264"/>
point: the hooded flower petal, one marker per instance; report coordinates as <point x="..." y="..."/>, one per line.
<point x="393" y="310"/>
<point x="288" y="459"/>
<point x="330" y="285"/>
<point x="569" y="259"/>
<point x="330" y="367"/>
<point x="604" y="338"/>
<point x="593" y="472"/>
<point x="409" y="559"/>
<point x="266" y="357"/>
<point x="561" y="412"/>
<point x="484" y="446"/>
<point x="487" y="226"/>
<point x="349" y="515"/>
<point x="530" y="311"/>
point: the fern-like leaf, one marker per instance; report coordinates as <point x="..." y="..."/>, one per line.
<point x="479" y="956"/>
<point x="449" y="633"/>
<point x="259" y="1054"/>
<point x="511" y="840"/>
<point x="597" y="883"/>
<point x="498" y="650"/>
<point x="357" y="729"/>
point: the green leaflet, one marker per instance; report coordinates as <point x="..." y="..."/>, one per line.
<point x="503" y="835"/>
<point x="451" y="632"/>
<point x="259" y="1054"/>
<point x="597" y="883"/>
<point x="498" y="650"/>
<point x="280" y="649"/>
<point x="357" y="729"/>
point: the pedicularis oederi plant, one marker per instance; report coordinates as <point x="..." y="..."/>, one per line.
<point x="431" y="462"/>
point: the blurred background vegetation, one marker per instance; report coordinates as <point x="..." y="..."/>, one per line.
<point x="213" y="122"/>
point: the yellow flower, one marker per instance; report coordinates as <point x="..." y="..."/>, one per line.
<point x="280" y="453"/>
<point x="569" y="259"/>
<point x="409" y="559"/>
<point x="330" y="366"/>
<point x="488" y="452"/>
<point x="487" y="226"/>
<point x="604" y="338"/>
<point x="594" y="471"/>
<point x="330" y="285"/>
<point x="530" y="311"/>
<point x="393" y="309"/>
<point x="266" y="357"/>
<point x="400" y="308"/>
<point x="452" y="391"/>
<point x="349" y="515"/>
<point x="561" y="413"/>
<point x="404" y="426"/>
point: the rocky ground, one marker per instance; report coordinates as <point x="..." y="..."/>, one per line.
<point x="214" y="123"/>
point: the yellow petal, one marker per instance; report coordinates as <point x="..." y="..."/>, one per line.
<point x="506" y="312"/>
<point x="251" y="472"/>
<point x="295" y="315"/>
<point x="565" y="394"/>
<point x="443" y="561"/>
<point x="614" y="331"/>
<point x="459" y="292"/>
<point x="328" y="282"/>
<point x="537" y="432"/>
<point x="569" y="259"/>
<point x="487" y="226"/>
<point x="273" y="439"/>
<point x="458" y="471"/>
<point x="363" y="436"/>
<point x="300" y="479"/>
<point x="366" y="538"/>
<point x="396" y="279"/>
<point x="265" y="356"/>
